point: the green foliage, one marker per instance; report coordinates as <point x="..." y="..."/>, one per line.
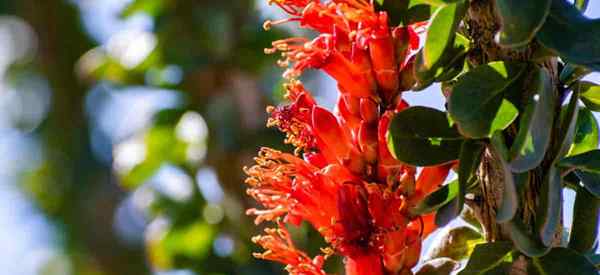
<point x="442" y="196"/>
<point x="564" y="261"/>
<point x="478" y="104"/>
<point x="455" y="243"/>
<point x="584" y="231"/>
<point x="590" y="95"/>
<point x="571" y="35"/>
<point x="520" y="20"/>
<point x="487" y="257"/>
<point x="535" y="126"/>
<point x="441" y="32"/>
<point x="586" y="133"/>
<point x="439" y="266"/>
<point x="422" y="136"/>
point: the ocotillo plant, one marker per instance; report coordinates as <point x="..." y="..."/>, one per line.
<point x="514" y="131"/>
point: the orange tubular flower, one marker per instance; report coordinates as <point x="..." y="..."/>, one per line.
<point x="342" y="179"/>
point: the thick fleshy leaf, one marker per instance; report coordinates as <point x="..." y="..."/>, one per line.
<point x="581" y="5"/>
<point x="477" y="104"/>
<point x="572" y="73"/>
<point x="448" y="212"/>
<point x="586" y="133"/>
<point x="441" y="32"/>
<point x="587" y="162"/>
<point x="455" y="243"/>
<point x="520" y="20"/>
<point x="573" y="36"/>
<point x="439" y="266"/>
<point x="422" y="136"/>
<point x="510" y="197"/>
<point x="535" y="127"/>
<point x="568" y="123"/>
<point x="584" y="231"/>
<point x="528" y="244"/>
<point x="591" y="181"/>
<point x="561" y="261"/>
<point x="486" y="257"/>
<point x="449" y="65"/>
<point x="549" y="208"/>
<point x="470" y="155"/>
<point x="590" y="95"/>
<point x="437" y="199"/>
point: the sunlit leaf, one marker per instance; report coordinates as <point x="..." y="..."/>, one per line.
<point x="535" y="127"/>
<point x="486" y="257"/>
<point x="477" y="102"/>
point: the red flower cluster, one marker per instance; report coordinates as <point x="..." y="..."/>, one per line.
<point x="346" y="184"/>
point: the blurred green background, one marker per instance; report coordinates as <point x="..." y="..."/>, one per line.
<point x="124" y="128"/>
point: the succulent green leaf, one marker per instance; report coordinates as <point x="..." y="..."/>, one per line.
<point x="584" y="231"/>
<point x="450" y="65"/>
<point x="470" y="155"/>
<point x="535" y="127"/>
<point x="562" y="261"/>
<point x="587" y="162"/>
<point x="520" y="20"/>
<point x="441" y="32"/>
<point x="573" y="36"/>
<point x="590" y="95"/>
<point x="437" y="199"/>
<point x="591" y="181"/>
<point x="510" y="197"/>
<point x="528" y="244"/>
<point x="439" y="266"/>
<point x="477" y="102"/>
<point x="149" y="7"/>
<point x="586" y="133"/>
<point x="572" y="73"/>
<point x="448" y="212"/>
<point x="549" y="208"/>
<point x="422" y="136"/>
<point x="581" y="5"/>
<point x="456" y="243"/>
<point x="568" y="123"/>
<point x="486" y="257"/>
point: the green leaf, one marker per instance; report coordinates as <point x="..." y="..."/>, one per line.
<point x="470" y="156"/>
<point x="572" y="35"/>
<point x="149" y="7"/>
<point x="584" y="231"/>
<point x="591" y="181"/>
<point x="486" y="257"/>
<point x="527" y="243"/>
<point x="587" y="162"/>
<point x="477" y="102"/>
<point x="455" y="243"/>
<point x="520" y="20"/>
<point x="549" y="209"/>
<point x="450" y="64"/>
<point x="535" y="127"/>
<point x="590" y="95"/>
<point x="572" y="73"/>
<point x="380" y="2"/>
<point x="441" y="32"/>
<point x="448" y="212"/>
<point x="437" y="199"/>
<point x="422" y="136"/>
<point x="561" y="261"/>
<point x="581" y="5"/>
<point x="439" y="266"/>
<point x="594" y="259"/>
<point x="510" y="197"/>
<point x="568" y="122"/>
<point x="586" y="133"/>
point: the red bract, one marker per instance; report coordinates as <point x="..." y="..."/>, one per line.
<point x="346" y="185"/>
